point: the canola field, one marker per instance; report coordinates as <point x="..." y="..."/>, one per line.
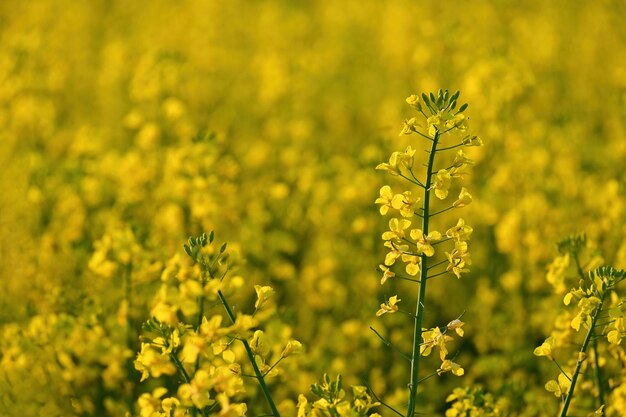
<point x="283" y="208"/>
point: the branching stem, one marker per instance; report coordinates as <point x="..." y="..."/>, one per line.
<point x="257" y="371"/>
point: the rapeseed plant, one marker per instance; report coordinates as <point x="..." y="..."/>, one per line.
<point x="599" y="314"/>
<point x="444" y="125"/>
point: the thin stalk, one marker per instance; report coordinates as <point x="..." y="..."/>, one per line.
<point x="598" y="372"/>
<point x="389" y="344"/>
<point x="419" y="309"/>
<point x="187" y="379"/>
<point x="257" y="371"/>
<point x="581" y="357"/>
<point x="596" y="363"/>
<point x="200" y="316"/>
<point x="561" y="369"/>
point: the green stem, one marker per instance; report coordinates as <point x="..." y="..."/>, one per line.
<point x="185" y="375"/>
<point x="598" y="372"/>
<point x="419" y="309"/>
<point x="257" y="371"/>
<point x="581" y="357"/>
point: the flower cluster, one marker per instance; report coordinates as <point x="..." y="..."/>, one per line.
<point x="204" y="353"/>
<point x="333" y="402"/>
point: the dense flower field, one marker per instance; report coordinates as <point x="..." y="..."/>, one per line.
<point x="226" y="208"/>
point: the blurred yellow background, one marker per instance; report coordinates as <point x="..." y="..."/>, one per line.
<point x="126" y="126"/>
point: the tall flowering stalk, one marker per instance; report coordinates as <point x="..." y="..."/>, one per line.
<point x="444" y="126"/>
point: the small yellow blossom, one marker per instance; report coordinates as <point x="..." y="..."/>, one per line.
<point x="423" y="243"/>
<point x="465" y="198"/>
<point x="387" y="273"/>
<point x="443" y="181"/>
<point x="472" y="141"/>
<point x="413" y="100"/>
<point x="389" y="306"/>
<point x="456" y="325"/>
<point x="385" y="199"/>
<point x="404" y="203"/>
<point x="410" y="126"/>
<point x="413" y="263"/>
<point x="559" y="387"/>
<point x="396" y="229"/>
<point x="461" y="232"/>
<point x="293" y="348"/>
<point x="458" y="121"/>
<point x="449" y="366"/>
<point x="461" y="160"/>
<point x="263" y="293"/>
<point x="398" y="162"/>
<point x="258" y="345"/>
<point x="394" y="253"/>
<point x="546" y="348"/>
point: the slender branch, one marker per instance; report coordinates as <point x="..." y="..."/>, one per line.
<point x="442" y="211"/>
<point x="389" y="344"/>
<point x="419" y="309"/>
<point x="428" y="376"/>
<point x="438" y="274"/>
<point x="257" y="371"/>
<point x="449" y="147"/>
<point x="561" y="369"/>
<point x="406" y="313"/>
<point x="599" y="379"/>
<point x="377" y="398"/>
<point x="416" y="182"/>
<point x="186" y="378"/>
<point x="273" y="366"/>
<point x="437" y="264"/>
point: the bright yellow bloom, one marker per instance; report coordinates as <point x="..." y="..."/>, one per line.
<point x="423" y="243"/>
<point x="263" y="293"/>
<point x="458" y="259"/>
<point x="472" y="141"/>
<point x="387" y="273"/>
<point x="460" y="160"/>
<point x="456" y="325"/>
<point x="449" y="366"/>
<point x="461" y="232"/>
<point x="395" y="252"/>
<point x="413" y="263"/>
<point x="458" y="121"/>
<point x="434" y="124"/>
<point x="587" y="306"/>
<point x="404" y="203"/>
<point x="443" y="181"/>
<point x="386" y="196"/>
<point x="396" y="229"/>
<point x="558" y="388"/>
<point x="546" y="348"/>
<point x="258" y="345"/>
<point x="389" y="306"/>
<point x="152" y="363"/>
<point x="434" y="338"/>
<point x="150" y="403"/>
<point x="413" y="100"/>
<point x="398" y="162"/>
<point x="465" y="198"/>
<point x="410" y="126"/>
<point x="293" y="348"/>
